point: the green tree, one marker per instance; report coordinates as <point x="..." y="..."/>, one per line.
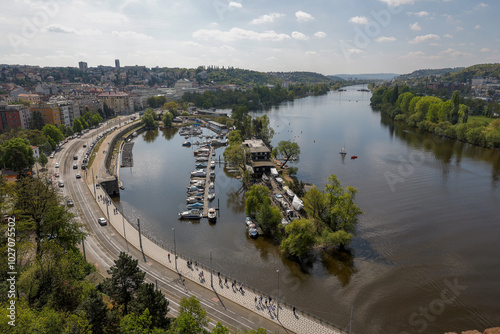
<point x="172" y="108"/>
<point x="455" y="100"/>
<point x="125" y="280"/>
<point x="315" y="205"/>
<point x="234" y="137"/>
<point x="220" y="329"/>
<point x="147" y="298"/>
<point x="287" y="150"/>
<point x="257" y="196"/>
<point x="77" y="125"/>
<point x="268" y="217"/>
<point x="149" y="119"/>
<point x="192" y="317"/>
<point x="136" y="324"/>
<point x="234" y="155"/>
<point x="16" y="154"/>
<point x="95" y="310"/>
<point x="85" y="125"/>
<point x="43" y="160"/>
<point x="36" y="121"/>
<point x="51" y="131"/>
<point x="167" y="119"/>
<point x="299" y="238"/>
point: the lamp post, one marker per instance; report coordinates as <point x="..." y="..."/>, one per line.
<point x="175" y="250"/>
<point x="278" y="301"/>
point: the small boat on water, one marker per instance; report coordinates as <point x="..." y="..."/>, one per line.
<point x="212" y="215"/>
<point x="248" y="221"/>
<point x="212" y="174"/>
<point x="253" y="233"/>
<point x="197" y="183"/>
<point x="191" y="214"/>
<point x="198" y="173"/>
<point x="211" y="185"/>
<point x="194" y="199"/>
<point x="342" y="151"/>
<point x="354" y="157"/>
<point x="194" y="189"/>
<point x="197" y="205"/>
<point x="186" y="137"/>
<point x="212" y="164"/>
<point x="201" y="159"/>
<point x="186" y="144"/>
<point x="211" y="196"/>
<point x="201" y="165"/>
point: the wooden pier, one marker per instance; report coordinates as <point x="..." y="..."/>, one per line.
<point x="207" y="184"/>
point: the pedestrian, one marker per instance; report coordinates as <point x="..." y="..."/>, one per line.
<point x="294" y="311"/>
<point x="196" y="264"/>
<point x="255" y="300"/>
<point x="265" y="301"/>
<point x="168" y="257"/>
<point x="202" y="274"/>
<point x="225" y="281"/>
<point x="260" y="300"/>
<point x="241" y="287"/>
<point x="220" y="281"/>
<point x="218" y="274"/>
<point x="270" y="300"/>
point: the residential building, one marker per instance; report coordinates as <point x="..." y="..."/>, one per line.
<point x="118" y="101"/>
<point x="9" y="118"/>
<point x="82" y="65"/>
<point x="117" y="63"/>
<point x="50" y="112"/>
<point x="23" y="112"/>
<point x="260" y="157"/>
<point x="32" y="98"/>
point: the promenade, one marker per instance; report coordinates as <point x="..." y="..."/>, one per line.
<point x="197" y="272"/>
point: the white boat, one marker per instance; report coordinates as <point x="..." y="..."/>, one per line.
<point x="198" y="183"/>
<point x="211" y="196"/>
<point x="212" y="164"/>
<point x="194" y="189"/>
<point x="342" y="151"/>
<point x="212" y="174"/>
<point x="186" y="143"/>
<point x="197" y="205"/>
<point x="201" y="159"/>
<point x="198" y="173"/>
<point x="211" y="185"/>
<point x="194" y="199"/>
<point x="212" y="215"/>
<point x="201" y="165"/>
<point x="252" y="232"/>
<point x="191" y="214"/>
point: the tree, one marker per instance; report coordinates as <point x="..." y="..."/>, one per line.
<point x="51" y="131"/>
<point x="43" y="159"/>
<point x="16" y="154"/>
<point x="299" y="237"/>
<point x="314" y="204"/>
<point x="268" y="217"/>
<point x="192" y="317"/>
<point x="255" y="198"/>
<point x="136" y="324"/>
<point x="171" y="107"/>
<point x="149" y="119"/>
<point x="126" y="278"/>
<point x="77" y="125"/>
<point x="234" y="137"/>
<point x="167" y="119"/>
<point x="147" y="298"/>
<point x="36" y="121"/>
<point x="287" y="150"/>
<point x="85" y="125"/>
<point x="234" y="155"/>
<point x="95" y="310"/>
<point x="455" y="100"/>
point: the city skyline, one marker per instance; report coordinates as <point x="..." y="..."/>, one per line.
<point x="359" y="36"/>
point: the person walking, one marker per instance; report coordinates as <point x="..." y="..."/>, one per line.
<point x="225" y="282"/>
<point x="294" y="311"/>
<point x="241" y="287"/>
<point x="168" y="257"/>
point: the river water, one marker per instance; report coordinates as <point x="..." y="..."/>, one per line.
<point x="427" y="255"/>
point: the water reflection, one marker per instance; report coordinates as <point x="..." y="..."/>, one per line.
<point x="150" y="135"/>
<point x="168" y="134"/>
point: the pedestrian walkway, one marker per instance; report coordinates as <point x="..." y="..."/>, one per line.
<point x="287" y="317"/>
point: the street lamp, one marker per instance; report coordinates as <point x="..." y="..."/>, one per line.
<point x="175" y="250"/>
<point x="278" y="302"/>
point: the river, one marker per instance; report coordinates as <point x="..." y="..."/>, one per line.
<point x="426" y="257"/>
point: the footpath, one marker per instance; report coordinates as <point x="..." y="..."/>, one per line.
<point x="222" y="287"/>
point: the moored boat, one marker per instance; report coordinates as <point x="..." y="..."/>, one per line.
<point x="212" y="215"/>
<point x="194" y="199"/>
<point x="191" y="214"/>
<point x="197" y="205"/>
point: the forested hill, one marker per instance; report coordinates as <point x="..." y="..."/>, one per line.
<point x="301" y="77"/>
<point x="237" y="76"/>
<point x="459" y="74"/>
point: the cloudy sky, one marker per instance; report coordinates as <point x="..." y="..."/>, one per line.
<point x="325" y="36"/>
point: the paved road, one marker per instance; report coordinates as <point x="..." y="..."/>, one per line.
<point x="233" y="308"/>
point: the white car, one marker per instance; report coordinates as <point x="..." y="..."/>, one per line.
<point x="102" y="221"/>
<point x="57" y="165"/>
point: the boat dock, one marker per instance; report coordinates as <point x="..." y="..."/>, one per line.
<point x="207" y="184"/>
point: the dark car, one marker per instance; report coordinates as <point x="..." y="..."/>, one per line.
<point x="75" y="166"/>
<point x="70" y="202"/>
<point x="75" y="157"/>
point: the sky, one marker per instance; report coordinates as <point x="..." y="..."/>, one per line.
<point x="324" y="36"/>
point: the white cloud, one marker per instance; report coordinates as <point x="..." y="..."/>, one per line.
<point x="57" y="28"/>
<point x="413" y="54"/>
<point x="421" y="14"/>
<point x="481" y="5"/>
<point x="397" y="3"/>
<point x="453" y="53"/>
<point x="300" y="36"/>
<point x="448" y="35"/>
<point x="354" y="51"/>
<point x="359" y="20"/>
<point x="320" y="34"/>
<point x="130" y="35"/>
<point x="477" y="27"/>
<point x="191" y="43"/>
<point x="303" y="16"/>
<point x="383" y="39"/>
<point x="311" y="53"/>
<point x="415" y="26"/>
<point x="107" y="17"/>
<point x="484" y="50"/>
<point x="234" y="4"/>
<point x="267" y="18"/>
<point x="424" y="38"/>
<point x="236" y="34"/>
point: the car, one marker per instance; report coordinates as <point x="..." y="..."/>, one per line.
<point x="78" y="176"/>
<point x="98" y="185"/>
<point x="84" y="166"/>
<point x="75" y="157"/>
<point x="84" y="145"/>
<point x="61" y="184"/>
<point x="70" y="202"/>
<point x="56" y="165"/>
<point x="52" y="155"/>
<point x="75" y="166"/>
<point x="56" y="174"/>
<point x="102" y="221"/>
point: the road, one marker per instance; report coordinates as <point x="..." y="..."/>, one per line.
<point x="103" y="245"/>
